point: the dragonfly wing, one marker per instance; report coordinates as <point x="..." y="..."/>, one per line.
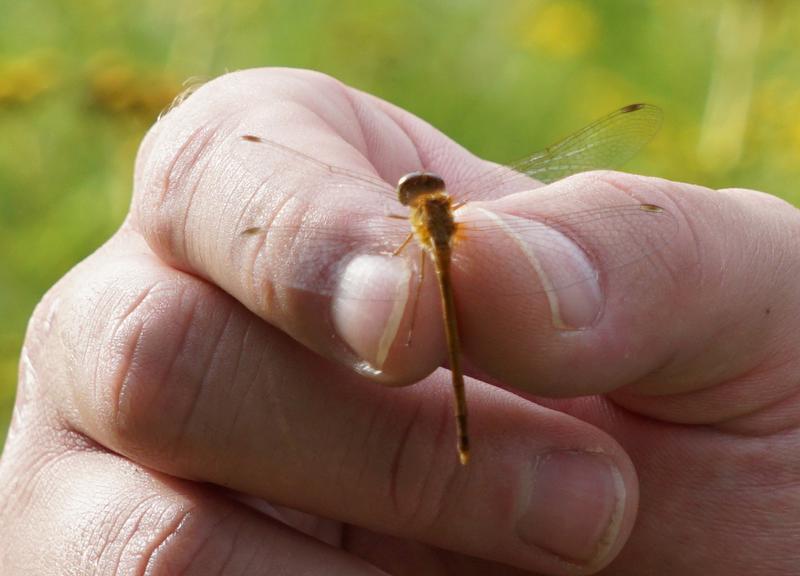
<point x="313" y="255"/>
<point x="606" y="143"/>
<point x="272" y="162"/>
<point x="619" y="236"/>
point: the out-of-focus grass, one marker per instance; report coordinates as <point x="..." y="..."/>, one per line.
<point x="80" y="82"/>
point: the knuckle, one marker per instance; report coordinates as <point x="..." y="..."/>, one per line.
<point x="153" y="363"/>
<point x="172" y="171"/>
<point x="94" y="523"/>
<point x="420" y="500"/>
<point x="183" y="164"/>
<point x="143" y="534"/>
<point x="176" y="549"/>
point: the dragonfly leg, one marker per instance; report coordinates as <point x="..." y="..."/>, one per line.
<point x="403" y="245"/>
<point x="420" y="278"/>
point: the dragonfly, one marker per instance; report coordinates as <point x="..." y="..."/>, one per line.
<point x="434" y="227"/>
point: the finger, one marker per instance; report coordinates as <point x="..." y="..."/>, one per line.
<point x="77" y="509"/>
<point x="690" y="331"/>
<point x="407" y="558"/>
<point x="175" y="374"/>
<point x="197" y="162"/>
<point x="321" y="269"/>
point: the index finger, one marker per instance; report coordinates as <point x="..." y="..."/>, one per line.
<point x="202" y="184"/>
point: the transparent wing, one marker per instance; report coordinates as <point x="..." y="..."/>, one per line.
<point x="285" y="160"/>
<point x="312" y="256"/>
<point x="606" y="143"/>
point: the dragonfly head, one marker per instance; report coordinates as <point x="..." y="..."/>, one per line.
<point x="415" y="185"/>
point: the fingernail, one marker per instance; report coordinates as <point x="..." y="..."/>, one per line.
<point x="576" y="505"/>
<point x="369" y="304"/>
<point x="566" y="273"/>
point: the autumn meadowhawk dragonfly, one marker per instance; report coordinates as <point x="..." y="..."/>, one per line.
<point x="422" y="212"/>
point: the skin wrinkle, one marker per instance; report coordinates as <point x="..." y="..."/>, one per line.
<point x="249" y="201"/>
<point x="399" y="452"/>
<point x="786" y="423"/>
<point x="28" y="484"/>
<point x="60" y="444"/>
<point x="435" y="505"/>
<point x="252" y="565"/>
<point x="220" y="523"/>
<point x="359" y="117"/>
<point x="402" y="122"/>
<point x="94" y="320"/>
<point x="409" y="517"/>
<point x="190" y="152"/>
<point x="372" y="172"/>
<point x="339" y="477"/>
<point x="310" y="83"/>
<point x="359" y="122"/>
<point x="157" y="551"/>
<point x="769" y="404"/>
<point x="422" y="163"/>
<point x="99" y="531"/>
<point x="729" y="426"/>
<point x="178" y="297"/>
<point x="181" y="345"/>
<point x="365" y="449"/>
<point x="169" y="185"/>
<point x="246" y="202"/>
<point x="268" y="387"/>
<point x="237" y="180"/>
<point x="218" y="460"/>
<point x="117" y="526"/>
<point x="202" y="388"/>
<point x="438" y="153"/>
<point x="198" y="169"/>
<point x="265" y="294"/>
<point x="275" y="409"/>
<point x="232" y="546"/>
<point x="242" y="398"/>
<point x="171" y="516"/>
<point x="134" y="343"/>
<point x="38" y="470"/>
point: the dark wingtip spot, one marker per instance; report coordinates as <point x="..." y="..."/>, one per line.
<point x="251" y="138"/>
<point x="632" y="107"/>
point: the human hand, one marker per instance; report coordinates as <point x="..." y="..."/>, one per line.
<point x="165" y="422"/>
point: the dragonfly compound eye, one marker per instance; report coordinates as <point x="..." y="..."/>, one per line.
<point x="415" y="185"/>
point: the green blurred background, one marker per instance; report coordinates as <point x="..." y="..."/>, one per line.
<point x="80" y="82"/>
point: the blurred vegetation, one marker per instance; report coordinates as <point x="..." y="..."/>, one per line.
<point x="80" y="82"/>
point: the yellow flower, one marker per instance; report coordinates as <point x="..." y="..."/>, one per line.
<point x="24" y="78"/>
<point x="563" y="29"/>
<point x="120" y="87"/>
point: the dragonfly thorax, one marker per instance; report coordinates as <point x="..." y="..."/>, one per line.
<point x="414" y="186"/>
